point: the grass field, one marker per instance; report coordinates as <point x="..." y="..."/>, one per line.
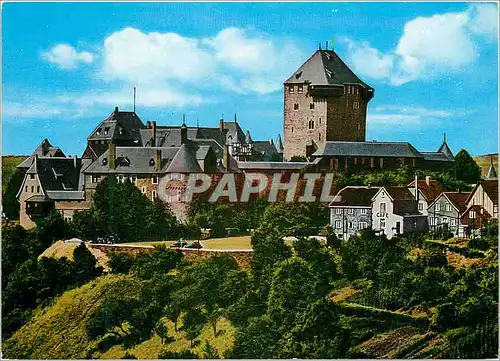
<point x="9" y="164"/>
<point x="241" y="242"/>
<point x="484" y="162"/>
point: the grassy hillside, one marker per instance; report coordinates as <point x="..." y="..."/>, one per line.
<point x="484" y="162"/>
<point x="59" y="332"/>
<point x="9" y="164"/>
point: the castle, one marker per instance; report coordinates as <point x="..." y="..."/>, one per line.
<point x="325" y="106"/>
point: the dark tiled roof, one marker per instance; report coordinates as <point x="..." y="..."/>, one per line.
<point x="119" y="126"/>
<point x="368" y="149"/>
<point x="93" y="151"/>
<point x="325" y="67"/>
<point x="234" y="133"/>
<point x="354" y="196"/>
<point x="458" y="200"/>
<point x="436" y="157"/>
<point x="430" y="191"/>
<point x="490" y="187"/>
<point x="66" y="195"/>
<point x="481" y="213"/>
<point x="264" y="147"/>
<point x="273" y="165"/>
<point x="166" y="136"/>
<point x="444" y="149"/>
<point x="279" y="145"/>
<point x="45" y="149"/>
<point x="57" y="174"/>
<point x="399" y="193"/>
<point x="184" y="161"/>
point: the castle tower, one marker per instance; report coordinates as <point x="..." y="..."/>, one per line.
<point x="323" y="101"/>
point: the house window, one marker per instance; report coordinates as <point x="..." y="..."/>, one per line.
<point x="453" y="222"/>
<point x="96" y="179"/>
<point x="292" y="129"/>
<point x="438" y="207"/>
<point x="382" y="223"/>
<point x="338" y="211"/>
<point x="32" y="189"/>
<point x="311" y="106"/>
<point x="382" y="207"/>
<point x="143" y="190"/>
<point x="153" y="195"/>
<point x="336" y="163"/>
<point x="363" y="225"/>
<point x="290" y="89"/>
<point x="350" y="211"/>
<point x="104" y="161"/>
<point x="447" y="208"/>
<point x="364" y="211"/>
<point x="154" y="180"/>
<point x="134" y="179"/>
<point x="495" y="211"/>
<point x="106" y="131"/>
<point x="372" y="162"/>
<point x="444" y="220"/>
<point x="319" y="136"/>
<point x="32" y="176"/>
<point x="38" y="189"/>
<point x="151" y="162"/>
<point x="420" y="206"/>
<point x="381" y="162"/>
<point x="311" y="124"/>
<point x="355" y="105"/>
<point x="432" y="221"/>
<point x="98" y="132"/>
<point x="26" y="189"/>
<point x="338" y="224"/>
<point x="296" y="106"/>
<point x="300" y="89"/>
<point x="472" y="214"/>
<point x="349" y="225"/>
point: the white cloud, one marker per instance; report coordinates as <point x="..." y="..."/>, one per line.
<point x="35" y="110"/>
<point x="66" y="57"/>
<point x="410" y="115"/>
<point x="429" y="46"/>
<point x="233" y="59"/>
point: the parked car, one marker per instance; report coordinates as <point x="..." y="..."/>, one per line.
<point x="195" y="245"/>
<point x="179" y="244"/>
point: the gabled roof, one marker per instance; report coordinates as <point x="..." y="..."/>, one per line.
<point x="368" y="149"/>
<point x="492" y="173"/>
<point x="457" y="199"/>
<point x="481" y="212"/>
<point x="490" y="187"/>
<point x="354" y="196"/>
<point x="279" y="145"/>
<point x="264" y="148"/>
<point x="57" y="173"/>
<point x="93" y="151"/>
<point x="325" y="67"/>
<point x="436" y="157"/>
<point x="184" y="161"/>
<point x="248" y="138"/>
<point x="444" y="149"/>
<point x="430" y="191"/>
<point x="45" y="149"/>
<point x="234" y="133"/>
<point x="396" y="193"/>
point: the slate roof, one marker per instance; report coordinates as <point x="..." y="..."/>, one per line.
<point x="66" y="195"/>
<point x="444" y="149"/>
<point x="354" y="197"/>
<point x="119" y="125"/>
<point x="93" y="151"/>
<point x="166" y="136"/>
<point x="45" y="149"/>
<point x="436" y="157"/>
<point x="264" y="148"/>
<point x="184" y="161"/>
<point x="234" y="133"/>
<point x="430" y="191"/>
<point x="279" y="145"/>
<point x="368" y="149"/>
<point x="325" y="67"/>
<point x="273" y="165"/>
<point x="57" y="173"/>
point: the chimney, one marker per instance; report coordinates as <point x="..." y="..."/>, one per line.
<point x="326" y="46"/>
<point x="74" y="161"/>
<point x="225" y="157"/>
<point x="116" y="109"/>
<point x="153" y="127"/>
<point x="148" y="124"/>
<point x="158" y="160"/>
<point x="416" y="187"/>
<point x="184" y="135"/>
<point x="428" y="180"/>
<point x="112" y="155"/>
<point x="221" y="125"/>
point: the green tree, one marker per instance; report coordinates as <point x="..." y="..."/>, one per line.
<point x="192" y="324"/>
<point x="120" y="262"/>
<point x="9" y="199"/>
<point x="210" y="352"/>
<point x="161" y="261"/>
<point x="466" y="168"/>
<point x="85" y="265"/>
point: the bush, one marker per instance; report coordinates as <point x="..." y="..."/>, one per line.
<point x="120" y="262"/>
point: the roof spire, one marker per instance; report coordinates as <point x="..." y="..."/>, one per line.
<point x="444" y="137"/>
<point x="183" y="118"/>
<point x="319" y="46"/>
<point x="235" y="120"/>
<point x="492" y="173"/>
<point x="197" y="123"/>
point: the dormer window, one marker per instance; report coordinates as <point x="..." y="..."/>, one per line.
<point x="106" y="131"/>
<point x="154" y="180"/>
<point x="151" y="162"/>
<point x="104" y="161"/>
<point x="291" y="89"/>
<point x="300" y="89"/>
<point x="328" y="72"/>
<point x="125" y="162"/>
<point x="98" y="132"/>
<point x="120" y="130"/>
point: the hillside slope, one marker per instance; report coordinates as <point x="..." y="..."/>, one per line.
<point x="484" y="161"/>
<point x="9" y="164"/>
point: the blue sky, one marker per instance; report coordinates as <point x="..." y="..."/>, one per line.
<point x="434" y="67"/>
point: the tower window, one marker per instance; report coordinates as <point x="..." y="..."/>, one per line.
<point x="292" y="129"/>
<point x="311" y="106"/>
<point x="290" y="89"/>
<point x="300" y="88"/>
<point x="311" y="124"/>
<point x="296" y="106"/>
<point x="319" y="136"/>
<point x="355" y="105"/>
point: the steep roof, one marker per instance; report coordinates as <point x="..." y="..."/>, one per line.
<point x="45" y="149"/>
<point x="184" y="161"/>
<point x="264" y="148"/>
<point x="429" y="190"/>
<point x="397" y="193"/>
<point x="457" y="199"/>
<point x="444" y="149"/>
<point x="118" y="125"/>
<point x="492" y="173"/>
<point x="279" y="145"/>
<point x="325" y="67"/>
<point x="368" y="149"/>
<point x="57" y="173"/>
<point x="234" y="133"/>
<point x="354" y="196"/>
